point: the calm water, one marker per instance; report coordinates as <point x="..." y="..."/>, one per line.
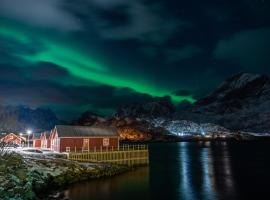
<point x="189" y="170"/>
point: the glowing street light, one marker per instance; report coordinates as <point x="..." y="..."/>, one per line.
<point x="29" y="132"/>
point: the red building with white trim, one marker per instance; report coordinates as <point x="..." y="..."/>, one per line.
<point x="83" y="138"/>
<point x="36" y="140"/>
<point x="45" y="139"/>
<point x="11" y="138"/>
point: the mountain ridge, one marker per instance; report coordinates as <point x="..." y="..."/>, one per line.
<point x="242" y="102"/>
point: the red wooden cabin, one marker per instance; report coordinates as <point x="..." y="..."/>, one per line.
<point x="83" y="138"/>
<point x="36" y="140"/>
<point x="13" y="139"/>
<point x="45" y="139"/>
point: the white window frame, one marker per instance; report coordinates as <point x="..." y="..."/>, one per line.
<point x="106" y="142"/>
<point x="86" y="148"/>
<point x="67" y="149"/>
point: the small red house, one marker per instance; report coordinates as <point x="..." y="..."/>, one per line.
<point x="83" y="138"/>
<point x="13" y="139"/>
<point x="45" y="139"/>
<point x="36" y="140"/>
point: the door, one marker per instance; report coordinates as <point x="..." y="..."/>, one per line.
<point x="85" y="145"/>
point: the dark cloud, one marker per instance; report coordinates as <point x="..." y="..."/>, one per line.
<point x="183" y="92"/>
<point x="46" y="14"/>
<point x="249" y="48"/>
<point x="148" y="22"/>
<point x="169" y="44"/>
<point x="186" y="52"/>
<point x="47" y="71"/>
<point x="17" y="88"/>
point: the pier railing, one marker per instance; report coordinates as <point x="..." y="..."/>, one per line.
<point x="125" y="154"/>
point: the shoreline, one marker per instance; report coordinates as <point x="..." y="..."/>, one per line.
<point x="38" y="177"/>
<point x="170" y="138"/>
<point x="103" y="173"/>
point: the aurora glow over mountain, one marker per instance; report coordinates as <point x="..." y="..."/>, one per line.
<point x="98" y="55"/>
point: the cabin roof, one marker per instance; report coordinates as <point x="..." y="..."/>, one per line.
<point x="35" y="136"/>
<point x="10" y="134"/>
<point x="14" y="135"/>
<point x="80" y="131"/>
<point x="46" y="134"/>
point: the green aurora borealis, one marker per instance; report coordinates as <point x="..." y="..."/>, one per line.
<point x="99" y="55"/>
<point x="79" y="64"/>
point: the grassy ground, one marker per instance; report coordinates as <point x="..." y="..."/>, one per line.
<point x="26" y="177"/>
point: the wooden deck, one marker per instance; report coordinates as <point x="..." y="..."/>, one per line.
<point x="126" y="154"/>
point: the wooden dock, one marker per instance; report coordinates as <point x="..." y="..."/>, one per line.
<point x="126" y="155"/>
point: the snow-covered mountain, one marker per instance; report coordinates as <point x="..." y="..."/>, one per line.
<point x="242" y="102"/>
<point x="150" y="121"/>
<point x="154" y="109"/>
<point x="239" y="104"/>
<point x="20" y="118"/>
<point x="181" y="127"/>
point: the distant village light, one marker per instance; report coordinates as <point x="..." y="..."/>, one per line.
<point x="202" y="132"/>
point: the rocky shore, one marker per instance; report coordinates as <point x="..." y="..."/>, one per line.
<point x="27" y="177"/>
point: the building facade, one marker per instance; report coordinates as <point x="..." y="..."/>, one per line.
<point x="83" y="138"/>
<point x="12" y="138"/>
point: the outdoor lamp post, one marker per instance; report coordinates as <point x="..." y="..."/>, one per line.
<point x="29" y="132"/>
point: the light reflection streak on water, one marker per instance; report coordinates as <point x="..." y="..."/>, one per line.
<point x="186" y="188"/>
<point x="208" y="184"/>
<point x="227" y="168"/>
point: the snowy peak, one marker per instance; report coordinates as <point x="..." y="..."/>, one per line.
<point x="147" y="110"/>
<point x="19" y="118"/>
<point x="240" y="80"/>
<point x="242" y="102"/>
<point x="89" y="118"/>
<point x="239" y="86"/>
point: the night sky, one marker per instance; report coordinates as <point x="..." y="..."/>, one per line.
<point x="73" y="56"/>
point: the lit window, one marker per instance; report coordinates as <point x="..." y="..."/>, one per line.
<point x="85" y="143"/>
<point x="106" y="142"/>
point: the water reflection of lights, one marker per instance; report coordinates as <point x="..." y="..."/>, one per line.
<point x="207" y="144"/>
<point x="186" y="185"/>
<point x="227" y="168"/>
<point x="208" y="174"/>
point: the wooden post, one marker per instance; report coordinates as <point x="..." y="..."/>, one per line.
<point x="118" y="143"/>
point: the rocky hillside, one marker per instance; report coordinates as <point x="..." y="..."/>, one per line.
<point x="149" y="121"/>
<point x="129" y="128"/>
<point x="20" y="118"/>
<point x="242" y="102"/>
<point x="160" y="108"/>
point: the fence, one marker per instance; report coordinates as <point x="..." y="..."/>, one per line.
<point x="126" y="154"/>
